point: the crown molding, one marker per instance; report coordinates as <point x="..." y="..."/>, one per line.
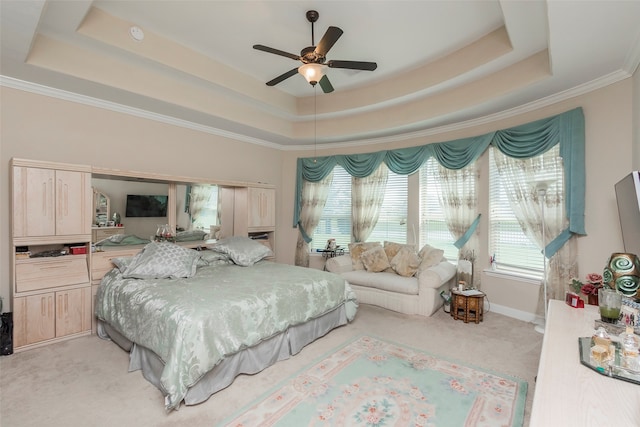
<point x="124" y="109"/>
<point x="505" y="114"/>
<point x="401" y="136"/>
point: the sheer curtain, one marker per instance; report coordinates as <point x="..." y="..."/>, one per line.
<point x="199" y="199"/>
<point x="314" y="197"/>
<point x="522" y="180"/>
<point x="367" y="195"/>
<point x="457" y="192"/>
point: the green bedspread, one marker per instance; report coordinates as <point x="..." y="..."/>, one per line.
<point x="192" y="324"/>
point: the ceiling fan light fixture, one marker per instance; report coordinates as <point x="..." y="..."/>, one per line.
<point x="311" y="72"/>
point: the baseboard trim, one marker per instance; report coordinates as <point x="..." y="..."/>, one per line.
<point x="516" y="314"/>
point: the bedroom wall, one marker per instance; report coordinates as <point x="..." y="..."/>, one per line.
<point x="636" y="120"/>
<point x="608" y="118"/>
<point x="39" y="127"/>
<point x="43" y="128"/>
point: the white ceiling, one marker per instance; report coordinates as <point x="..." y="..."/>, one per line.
<point x="196" y="63"/>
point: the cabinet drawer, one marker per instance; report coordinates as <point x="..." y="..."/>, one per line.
<point x="101" y="261"/>
<point x="102" y="233"/>
<point x="35" y="274"/>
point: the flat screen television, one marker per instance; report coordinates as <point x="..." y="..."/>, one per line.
<point x="146" y="206"/>
<point x="628" y="197"/>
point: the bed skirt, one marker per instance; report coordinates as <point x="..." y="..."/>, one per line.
<point x="248" y="361"/>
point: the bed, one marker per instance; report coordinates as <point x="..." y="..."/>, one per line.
<point x="192" y="321"/>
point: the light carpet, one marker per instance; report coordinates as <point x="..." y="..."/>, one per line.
<point x="370" y="382"/>
<point x="84" y="381"/>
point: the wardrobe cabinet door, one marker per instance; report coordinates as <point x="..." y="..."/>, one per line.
<point x="34" y="319"/>
<point x="33" y="202"/>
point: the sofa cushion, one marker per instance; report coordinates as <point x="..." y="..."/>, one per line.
<point x="392" y="248"/>
<point x="375" y="259"/>
<point x="384" y="281"/>
<point x="429" y="256"/>
<point x="406" y="262"/>
<point x="356" y="250"/>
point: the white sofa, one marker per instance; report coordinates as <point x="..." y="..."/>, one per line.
<point x="411" y="295"/>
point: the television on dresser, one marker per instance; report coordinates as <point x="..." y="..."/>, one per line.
<point x="146" y="206"/>
<point x="628" y="198"/>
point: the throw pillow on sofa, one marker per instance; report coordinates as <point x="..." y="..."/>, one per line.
<point x="406" y="262"/>
<point x="429" y="256"/>
<point x="375" y="259"/>
<point x="356" y="250"/>
<point x="392" y="248"/>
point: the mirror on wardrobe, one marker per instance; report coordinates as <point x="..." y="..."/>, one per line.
<point x="197" y="207"/>
<point x="101" y="204"/>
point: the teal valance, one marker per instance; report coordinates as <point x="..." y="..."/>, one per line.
<point x="524" y="141"/>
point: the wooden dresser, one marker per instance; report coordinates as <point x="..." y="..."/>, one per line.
<point x="101" y="233"/>
<point x="568" y="393"/>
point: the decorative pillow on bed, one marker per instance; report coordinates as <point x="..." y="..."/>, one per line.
<point x="211" y="257"/>
<point x="242" y="250"/>
<point x="375" y="259"/>
<point x="191" y="235"/>
<point x="406" y="262"/>
<point x="122" y="263"/>
<point x="161" y="260"/>
<point x="356" y="250"/>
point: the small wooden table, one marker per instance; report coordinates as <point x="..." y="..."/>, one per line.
<point x="467" y="307"/>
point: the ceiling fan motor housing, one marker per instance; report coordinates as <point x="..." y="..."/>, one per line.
<point x="308" y="55"/>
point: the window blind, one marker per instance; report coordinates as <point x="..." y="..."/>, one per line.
<point x="433" y="226"/>
<point x="512" y="249"/>
<point x="335" y="222"/>
<point x="392" y="222"/>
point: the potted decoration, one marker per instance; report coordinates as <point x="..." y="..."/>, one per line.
<point x="588" y="288"/>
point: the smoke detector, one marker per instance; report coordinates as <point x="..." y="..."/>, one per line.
<point x="136" y="33"/>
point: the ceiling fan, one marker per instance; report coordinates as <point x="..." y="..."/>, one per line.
<point x="314" y="57"/>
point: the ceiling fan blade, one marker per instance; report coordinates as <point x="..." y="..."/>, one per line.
<point x="353" y="65"/>
<point x="282" y="77"/>
<point x="325" y="84"/>
<point x="276" y="51"/>
<point x="330" y="37"/>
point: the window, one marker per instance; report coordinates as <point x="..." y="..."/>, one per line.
<point x="336" y="217"/>
<point x="335" y="222"/>
<point x="392" y="222"/>
<point x="433" y="226"/>
<point x="512" y="248"/>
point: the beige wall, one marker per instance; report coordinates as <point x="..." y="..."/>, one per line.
<point x="636" y="120"/>
<point x="38" y="127"/>
<point x="43" y="128"/>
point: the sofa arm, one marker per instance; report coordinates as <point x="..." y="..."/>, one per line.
<point x="436" y="276"/>
<point x="339" y="264"/>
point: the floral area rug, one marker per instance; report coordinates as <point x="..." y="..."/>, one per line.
<point x="369" y="382"/>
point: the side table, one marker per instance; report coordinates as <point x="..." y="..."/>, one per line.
<point x="468" y="306"/>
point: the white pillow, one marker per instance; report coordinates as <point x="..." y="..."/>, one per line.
<point x="429" y="256"/>
<point x="406" y="262"/>
<point x="242" y="250"/>
<point x="161" y="260"/>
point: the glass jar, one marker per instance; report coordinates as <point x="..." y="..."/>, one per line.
<point x="630" y="349"/>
